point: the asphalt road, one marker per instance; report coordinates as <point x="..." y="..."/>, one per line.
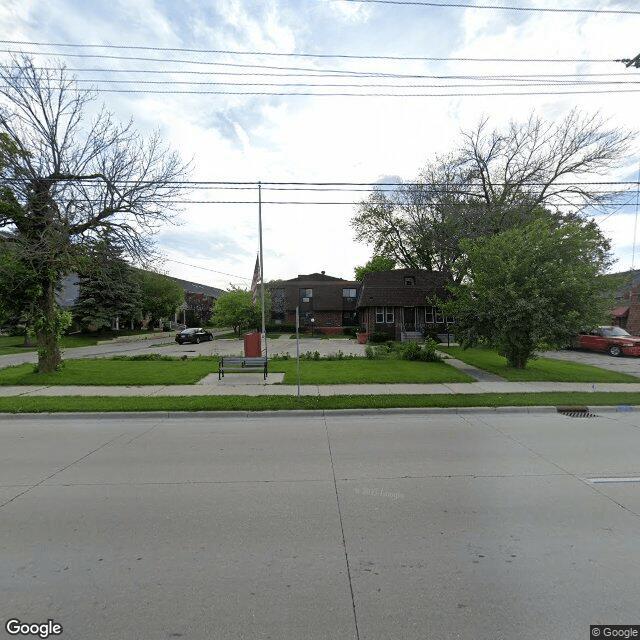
<point x="407" y="525"/>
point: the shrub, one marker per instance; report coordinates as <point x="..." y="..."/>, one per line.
<point x="379" y="336"/>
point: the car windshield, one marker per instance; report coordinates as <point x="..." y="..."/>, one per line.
<point x="614" y="332"/>
<point x="189" y="331"/>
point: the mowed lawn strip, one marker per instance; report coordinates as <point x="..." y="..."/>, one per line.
<point x="100" y="404"/>
<point x="364" y="371"/>
<point x="104" y="371"/>
<point x="539" y="369"/>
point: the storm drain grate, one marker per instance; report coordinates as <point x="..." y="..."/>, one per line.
<point x="576" y="412"/>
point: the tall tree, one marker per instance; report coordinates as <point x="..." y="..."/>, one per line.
<point x="374" y="265"/>
<point x="539" y="284"/>
<point x="161" y="296"/>
<point x="234" y="308"/>
<point x="109" y="288"/>
<point x="75" y="178"/>
<point x="496" y="181"/>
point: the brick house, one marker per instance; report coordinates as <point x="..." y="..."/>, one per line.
<point x="398" y="303"/>
<point x="198" y="302"/>
<point x="626" y="313"/>
<point x="326" y="303"/>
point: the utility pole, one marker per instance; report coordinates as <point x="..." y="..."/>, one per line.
<point x="264" y="331"/>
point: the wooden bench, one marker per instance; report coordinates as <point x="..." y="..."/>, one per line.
<point x="241" y="363"/>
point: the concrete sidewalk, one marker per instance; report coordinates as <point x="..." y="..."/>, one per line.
<point x="238" y="384"/>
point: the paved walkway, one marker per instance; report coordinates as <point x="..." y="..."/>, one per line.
<point x="250" y="384"/>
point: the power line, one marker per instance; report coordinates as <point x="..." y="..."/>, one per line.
<point x="306" y="69"/>
<point x="195" y="266"/>
<point x="461" y="5"/>
<point x="272" y="53"/>
<point x="335" y="94"/>
<point x="311" y="186"/>
<point x="524" y="77"/>
<point x="519" y="83"/>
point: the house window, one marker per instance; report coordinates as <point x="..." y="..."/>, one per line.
<point x="409" y="281"/>
<point x="429" y="315"/>
<point x="385" y="315"/>
<point x="348" y="293"/>
<point x="306" y="294"/>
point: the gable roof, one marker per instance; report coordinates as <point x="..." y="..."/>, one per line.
<point x="388" y="288"/>
<point x="314" y="277"/>
<point x="195" y="287"/>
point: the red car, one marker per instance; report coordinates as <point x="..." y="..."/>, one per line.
<point x="614" y="340"/>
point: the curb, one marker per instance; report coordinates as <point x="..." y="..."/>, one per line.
<point x="120" y="415"/>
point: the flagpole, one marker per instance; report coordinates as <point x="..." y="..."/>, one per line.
<point x="264" y="332"/>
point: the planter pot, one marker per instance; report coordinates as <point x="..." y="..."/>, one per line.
<point x="362" y="338"/>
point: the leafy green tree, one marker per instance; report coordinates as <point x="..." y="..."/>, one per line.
<point x="374" y="265"/>
<point x="18" y="287"/>
<point x="235" y="309"/>
<point x="497" y="180"/>
<point x="75" y="178"/>
<point x="533" y="286"/>
<point x="160" y="296"/>
<point x="109" y="288"/>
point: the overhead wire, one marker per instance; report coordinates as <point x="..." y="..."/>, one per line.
<point x="285" y="54"/>
<point x="466" y="5"/>
<point x="563" y="84"/>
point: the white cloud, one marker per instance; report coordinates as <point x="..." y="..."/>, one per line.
<point x="318" y="139"/>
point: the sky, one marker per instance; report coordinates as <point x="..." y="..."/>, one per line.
<point x="249" y="128"/>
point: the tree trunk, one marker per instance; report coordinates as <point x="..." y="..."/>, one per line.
<point x="49" y="355"/>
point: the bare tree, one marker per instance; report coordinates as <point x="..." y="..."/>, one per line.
<point x="495" y="181"/>
<point x="77" y="179"/>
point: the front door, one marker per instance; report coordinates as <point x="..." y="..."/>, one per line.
<point x="409" y="318"/>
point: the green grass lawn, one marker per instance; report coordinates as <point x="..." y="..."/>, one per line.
<point x="363" y="371"/>
<point x="10" y="345"/>
<point x="540" y="369"/>
<point x="274" y="403"/>
<point x="104" y="371"/>
<point x="161" y="371"/>
<point x="122" y="371"/>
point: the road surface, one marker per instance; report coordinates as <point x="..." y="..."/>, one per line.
<point x="377" y="526"/>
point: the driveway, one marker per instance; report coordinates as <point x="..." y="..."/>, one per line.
<point x="622" y="364"/>
<point x="323" y="526"/>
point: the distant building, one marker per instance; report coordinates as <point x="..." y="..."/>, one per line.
<point x="626" y="313"/>
<point x="196" y="310"/>
<point x="198" y="302"/>
<point x="327" y="303"/>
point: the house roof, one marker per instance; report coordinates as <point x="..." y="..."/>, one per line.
<point x="390" y="288"/>
<point x="315" y="278"/>
<point x="326" y="291"/>
<point x="195" y="287"/>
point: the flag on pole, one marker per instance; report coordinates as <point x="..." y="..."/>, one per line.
<point x="255" y="282"/>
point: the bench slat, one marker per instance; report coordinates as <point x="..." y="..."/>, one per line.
<point x="237" y="363"/>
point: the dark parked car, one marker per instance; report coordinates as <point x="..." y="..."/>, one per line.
<point x="193" y="334"/>
<point x="614" y="340"/>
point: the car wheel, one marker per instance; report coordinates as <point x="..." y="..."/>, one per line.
<point x="614" y="350"/>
